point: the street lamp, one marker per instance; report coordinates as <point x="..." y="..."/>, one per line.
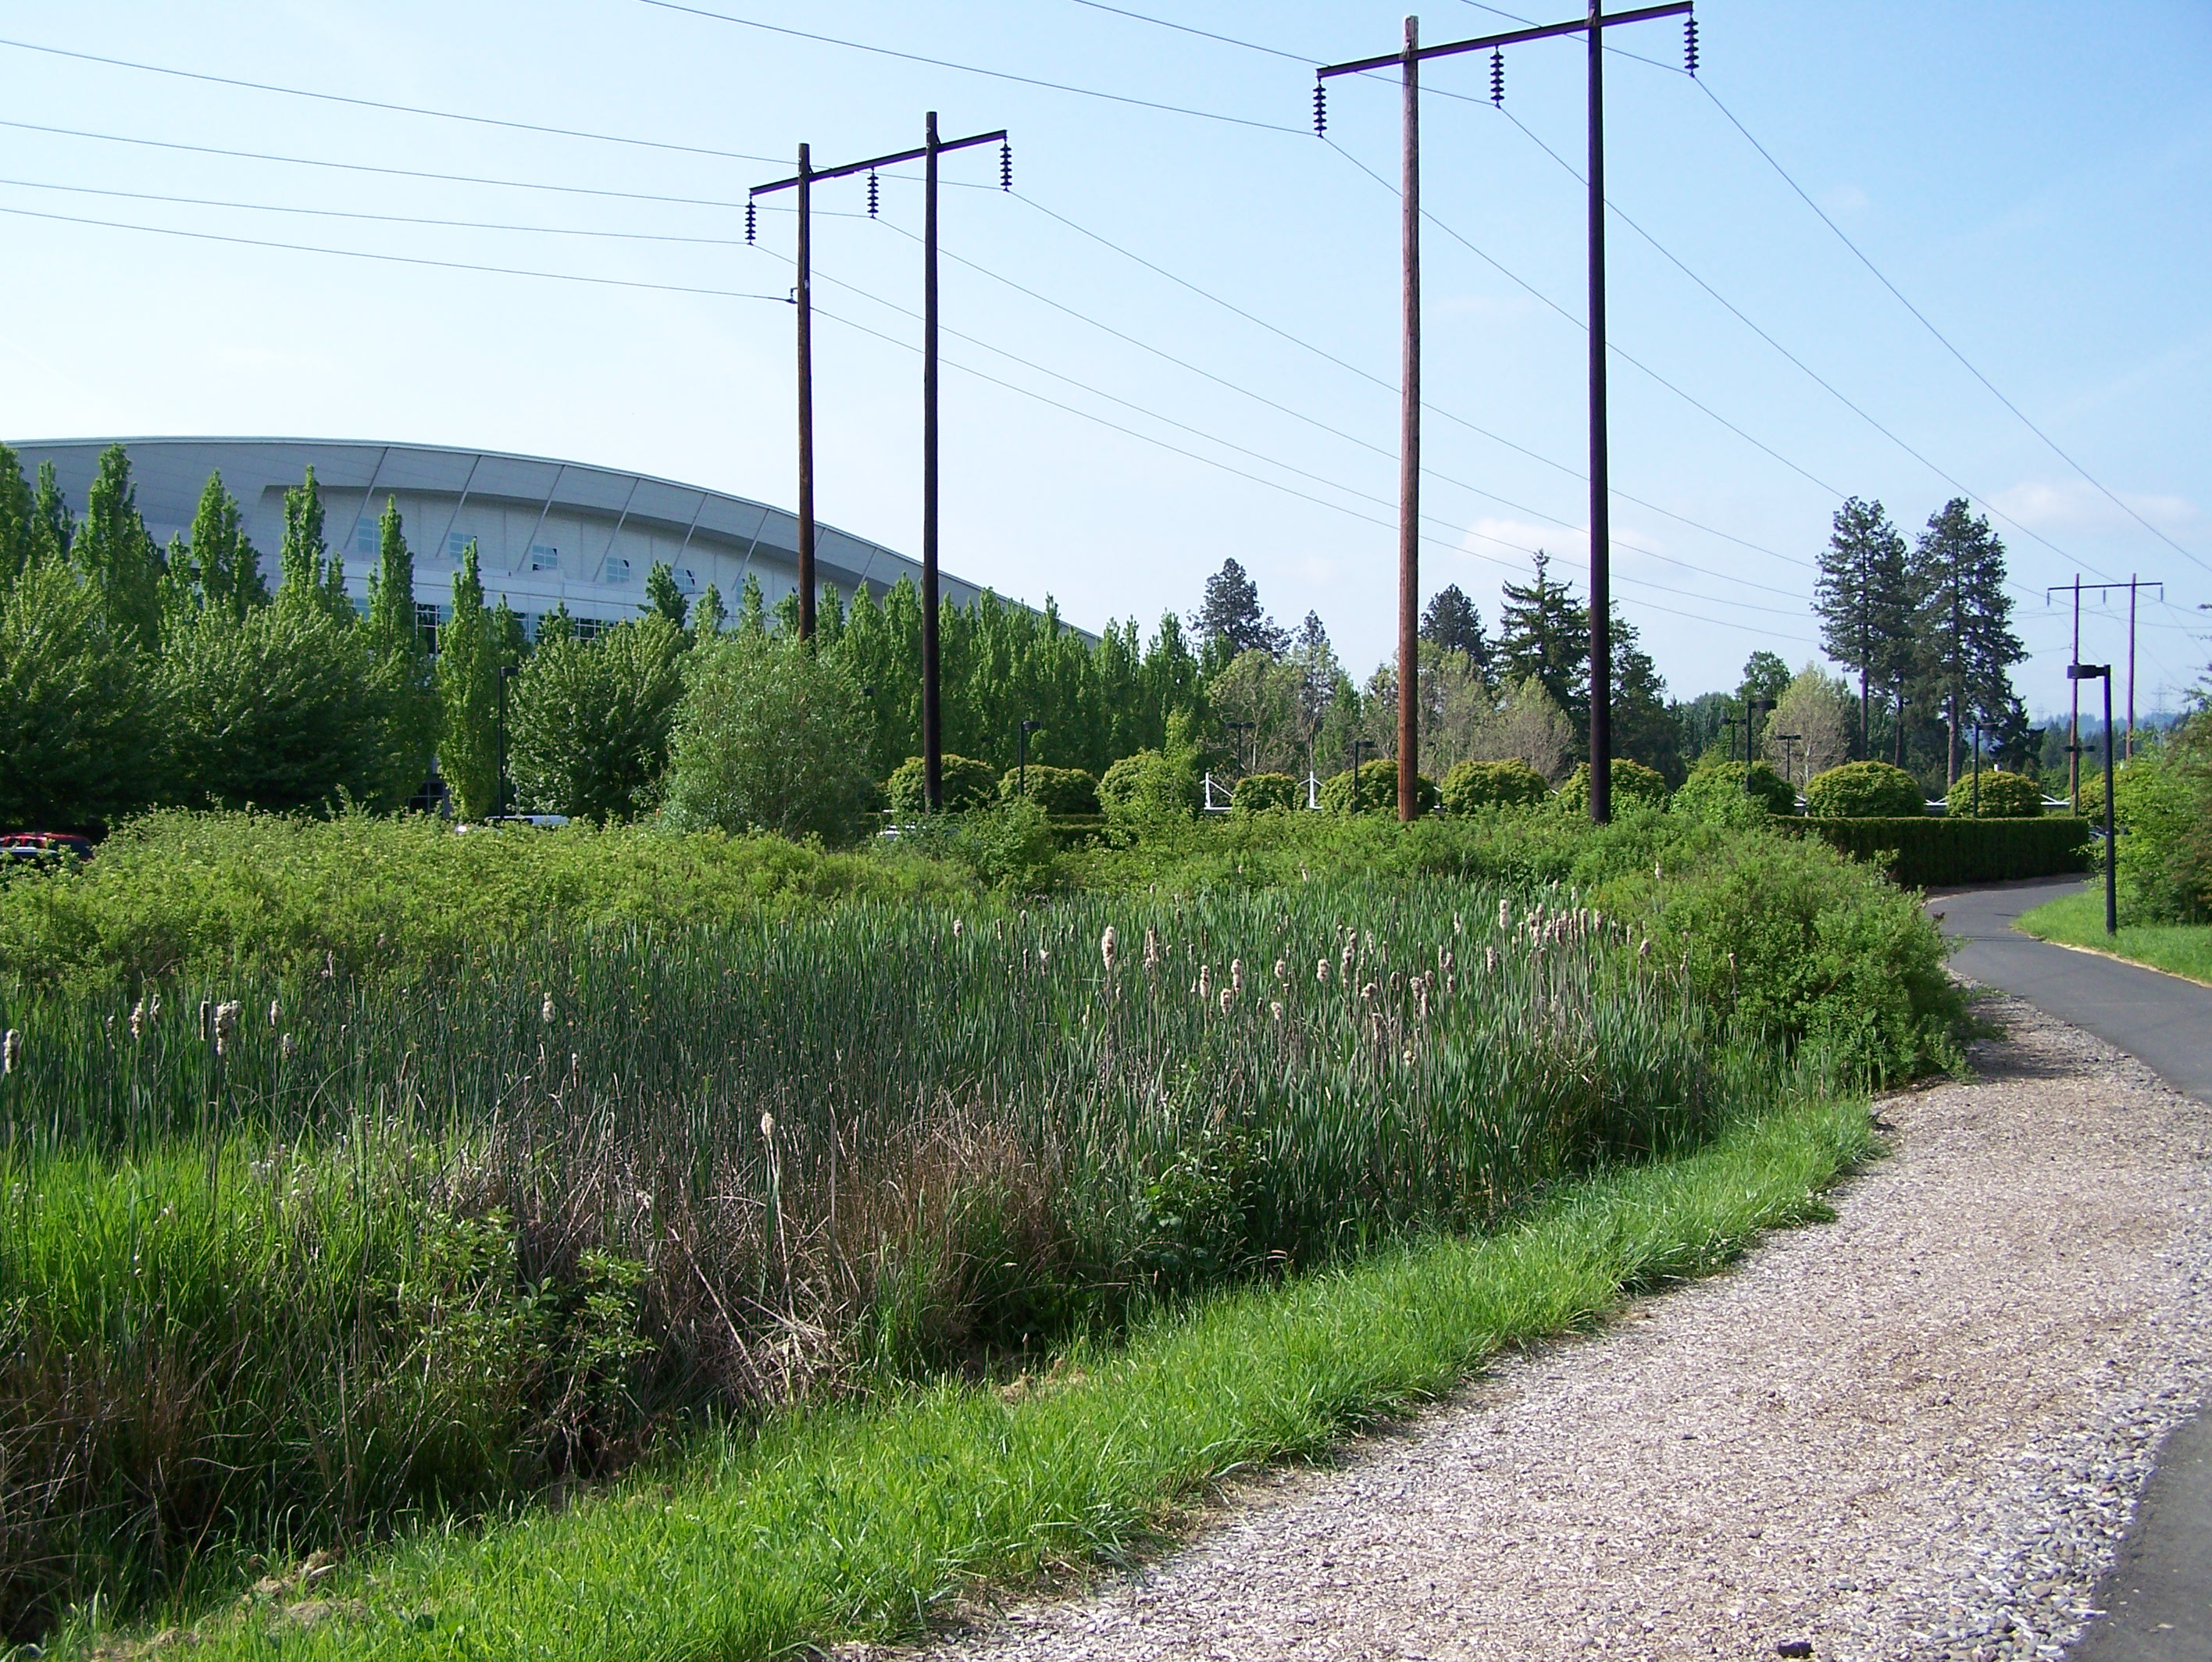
<point x="1022" y="759"/>
<point x="1788" y="766"/>
<point x="1752" y="709"/>
<point x="507" y="673"/>
<point x="2104" y="672"/>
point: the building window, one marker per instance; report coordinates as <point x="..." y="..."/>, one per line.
<point x="618" y="571"/>
<point x="591" y="629"/>
<point x="365" y="537"/>
<point x="687" y="580"/>
<point x="456" y="542"/>
<point x="427" y="617"/>
<point x="545" y="559"/>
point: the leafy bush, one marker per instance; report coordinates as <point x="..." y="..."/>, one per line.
<point x="590" y="721"/>
<point x="2003" y="797"/>
<point x="1473" y="785"/>
<point x="967" y="784"/>
<point x="1149" y="785"/>
<point x="1924" y="851"/>
<point x="1718" y="794"/>
<point x="1633" y="782"/>
<point x="772" y="736"/>
<point x="72" y="708"/>
<point x="1264" y="793"/>
<point x="2162" y="803"/>
<point x="1864" y="790"/>
<point x="1806" y="948"/>
<point x="1374" y="790"/>
<point x="1056" y="790"/>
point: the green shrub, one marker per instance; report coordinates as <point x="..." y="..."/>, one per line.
<point x="1374" y="790"/>
<point x="2003" y="796"/>
<point x="1264" y="793"/>
<point x="1862" y="791"/>
<point x="1806" y="948"/>
<point x="1718" y="794"/>
<point x="1056" y="790"/>
<point x="1149" y="785"/>
<point x="967" y="785"/>
<point x="2162" y="804"/>
<point x="1926" y="851"/>
<point x="589" y="725"/>
<point x="1633" y="782"/>
<point x="1473" y="785"/>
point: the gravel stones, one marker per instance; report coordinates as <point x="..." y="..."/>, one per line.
<point x="1917" y="1432"/>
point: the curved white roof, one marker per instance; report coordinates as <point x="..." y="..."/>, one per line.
<point x="546" y="532"/>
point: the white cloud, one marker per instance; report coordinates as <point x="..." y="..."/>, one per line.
<point x="2076" y="505"/>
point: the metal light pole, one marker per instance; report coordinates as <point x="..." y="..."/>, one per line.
<point x="2078" y="673"/>
<point x="1752" y="709"/>
<point x="1253" y="728"/>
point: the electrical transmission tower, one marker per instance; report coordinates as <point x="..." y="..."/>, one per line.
<point x="1408" y="61"/>
<point x="932" y="147"/>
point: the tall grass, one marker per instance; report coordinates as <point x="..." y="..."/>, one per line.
<point x="286" y="1259"/>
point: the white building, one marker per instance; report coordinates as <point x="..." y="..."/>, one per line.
<point x="546" y="532"/>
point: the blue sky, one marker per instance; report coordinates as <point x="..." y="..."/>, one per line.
<point x="2033" y="177"/>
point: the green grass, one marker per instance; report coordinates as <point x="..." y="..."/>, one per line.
<point x="2078" y="920"/>
<point x="858" y="1522"/>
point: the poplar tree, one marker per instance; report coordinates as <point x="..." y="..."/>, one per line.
<point x="226" y="566"/>
<point x="306" y="569"/>
<point x="53" y="527"/>
<point x="1864" y="599"/>
<point x="468" y="695"/>
<point x="705" y="620"/>
<point x="16" y="507"/>
<point x="401" y="672"/>
<point x="118" y="557"/>
<point x="662" y="596"/>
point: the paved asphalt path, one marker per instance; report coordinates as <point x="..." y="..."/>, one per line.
<point x="2159" y="1595"/>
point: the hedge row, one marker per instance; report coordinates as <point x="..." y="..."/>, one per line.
<point x="1926" y="851"/>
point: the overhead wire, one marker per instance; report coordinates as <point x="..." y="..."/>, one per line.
<point x="395" y="259"/>
<point x="971" y="69"/>
<point x="378" y="104"/>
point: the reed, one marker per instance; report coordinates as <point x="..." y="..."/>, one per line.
<point x="289" y="1259"/>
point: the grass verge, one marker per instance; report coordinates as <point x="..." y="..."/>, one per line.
<point x="2184" y="950"/>
<point x="859" y="1522"/>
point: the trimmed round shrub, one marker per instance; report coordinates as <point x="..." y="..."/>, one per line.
<point x="1864" y="790"/>
<point x="968" y="783"/>
<point x="2003" y="797"/>
<point x="1375" y="790"/>
<point x="1264" y="793"/>
<point x="1718" y="794"/>
<point x="1150" y="785"/>
<point x="1056" y="790"/>
<point x="1633" y="782"/>
<point x="1473" y="785"/>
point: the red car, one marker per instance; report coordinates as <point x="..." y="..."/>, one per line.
<point x="45" y="846"/>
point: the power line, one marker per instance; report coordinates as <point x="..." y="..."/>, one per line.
<point x="971" y="69"/>
<point x="393" y="259"/>
<point x="376" y="104"/>
<point x="392" y="219"/>
<point x="370" y="168"/>
<point x="1350" y="367"/>
<point x="1941" y="339"/>
<point x="1203" y="35"/>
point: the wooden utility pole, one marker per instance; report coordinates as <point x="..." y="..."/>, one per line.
<point x="1600" y="492"/>
<point x="932" y="147"/>
<point x="804" y="296"/>
<point x="2077" y="588"/>
<point x="1409" y="448"/>
<point x="1407" y="61"/>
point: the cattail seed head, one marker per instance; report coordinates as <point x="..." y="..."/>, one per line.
<point x="11" y="1051"/>
<point x="1228" y="995"/>
<point x="138" y="1019"/>
<point x="1106" y="944"/>
<point x="767" y="1126"/>
<point x="226" y="1024"/>
<point x="1282" y="971"/>
<point x="957" y="927"/>
<point x="1275" y="1010"/>
<point x="1320" y="972"/>
<point x="275" y="1014"/>
<point x="1368" y="992"/>
<point x="1236" y="973"/>
<point x="1151" y="948"/>
<point x="546" y="1010"/>
<point x="1205" y="981"/>
<point x="1504" y="913"/>
<point x="285" y="1046"/>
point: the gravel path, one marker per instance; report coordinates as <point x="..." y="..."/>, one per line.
<point x="1916" y="1432"/>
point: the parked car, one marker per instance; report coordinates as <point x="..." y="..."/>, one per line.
<point x="45" y="846"/>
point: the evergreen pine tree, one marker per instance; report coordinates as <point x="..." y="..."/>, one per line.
<point x="1453" y="623"/>
<point x="1543" y="635"/>
<point x="1965" y="622"/>
<point x="117" y="556"/>
<point x="468" y="695"/>
<point x="1864" y="599"/>
<point x="1229" y="620"/>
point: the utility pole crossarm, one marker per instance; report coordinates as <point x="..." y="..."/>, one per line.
<point x="873" y="162"/>
<point x="1512" y="37"/>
